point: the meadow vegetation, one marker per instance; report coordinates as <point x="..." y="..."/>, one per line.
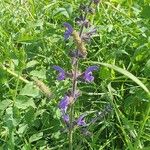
<point x="32" y="42"/>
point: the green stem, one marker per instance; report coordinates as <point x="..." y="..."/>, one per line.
<point x="14" y="74"/>
<point x="39" y="84"/>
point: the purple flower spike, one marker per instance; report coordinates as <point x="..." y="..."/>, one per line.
<point x="61" y="75"/>
<point x="81" y="121"/>
<point x="88" y="73"/>
<point x="63" y="105"/>
<point x="69" y="30"/>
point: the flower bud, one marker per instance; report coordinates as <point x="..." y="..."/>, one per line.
<point x="96" y="1"/>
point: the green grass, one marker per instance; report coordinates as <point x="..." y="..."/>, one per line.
<point x="31" y="42"/>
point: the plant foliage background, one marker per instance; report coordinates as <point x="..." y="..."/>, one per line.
<point x="31" y="42"/>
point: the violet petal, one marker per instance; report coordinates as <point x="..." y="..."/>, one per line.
<point x="65" y="117"/>
<point x="61" y="75"/>
<point x="68" y="31"/>
<point x="63" y="104"/>
<point x="88" y="73"/>
<point x="81" y="121"/>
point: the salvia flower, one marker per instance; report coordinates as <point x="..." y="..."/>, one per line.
<point x="64" y="103"/>
<point x="68" y="31"/>
<point x="88" y="73"/>
<point x="62" y="74"/>
<point x="81" y="121"/>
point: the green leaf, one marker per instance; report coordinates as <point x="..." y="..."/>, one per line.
<point x="22" y="129"/>
<point x="56" y="135"/>
<point x="69" y="9"/>
<point x="8" y="118"/>
<point x="39" y="73"/>
<point x="29" y="90"/>
<point x="36" y="137"/>
<point x="31" y="63"/>
<point x="27" y="147"/>
<point x="61" y="11"/>
<point x="124" y="72"/>
<point x="23" y="102"/>
<point x="4" y="104"/>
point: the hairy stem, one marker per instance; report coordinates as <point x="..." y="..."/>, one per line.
<point x="14" y="74"/>
<point x="39" y="84"/>
<point x="74" y="87"/>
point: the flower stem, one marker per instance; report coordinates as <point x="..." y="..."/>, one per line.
<point x="70" y="128"/>
<point x="74" y="88"/>
<point x="85" y="15"/>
